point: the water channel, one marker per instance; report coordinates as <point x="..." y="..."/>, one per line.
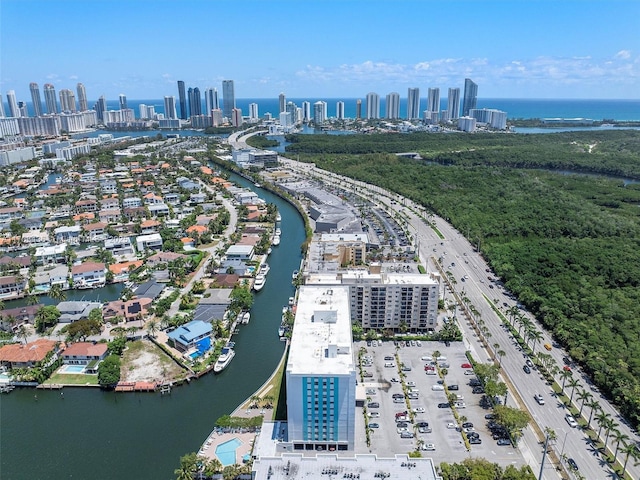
<point x="88" y="433"/>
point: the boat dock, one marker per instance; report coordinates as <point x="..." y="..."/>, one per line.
<point x="136" y="387"/>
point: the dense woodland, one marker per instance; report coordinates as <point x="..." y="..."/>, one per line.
<point x="567" y="245"/>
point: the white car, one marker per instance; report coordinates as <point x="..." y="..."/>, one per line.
<point x="374" y="414"/>
<point x="395" y="380"/>
<point x="411" y="384"/>
<point x="460" y="405"/>
<point x="418" y="410"/>
<point x="402" y="429"/>
<point x="436" y="388"/>
<point x="539" y="399"/>
<point x="570" y="420"/>
<point x="451" y="426"/>
<point x="429" y="447"/>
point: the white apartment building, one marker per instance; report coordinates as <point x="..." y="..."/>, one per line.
<point x="321" y="372"/>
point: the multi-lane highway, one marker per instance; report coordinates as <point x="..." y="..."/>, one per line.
<point x="472" y="281"/>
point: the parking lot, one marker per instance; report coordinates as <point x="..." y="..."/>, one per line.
<point x="385" y="363"/>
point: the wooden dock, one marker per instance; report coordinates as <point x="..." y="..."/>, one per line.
<point x="136" y="387"/>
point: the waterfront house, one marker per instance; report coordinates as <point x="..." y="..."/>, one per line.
<point x="159" y="209"/>
<point x="35" y="238"/>
<point x="121" y="270"/>
<point x="172" y="199"/>
<point x="189" y="335"/>
<point x="131" y="202"/>
<point x="89" y="275"/>
<point x="129" y="310"/>
<point x="198" y="197"/>
<point x="11" y="286"/>
<point x="149" y="226"/>
<point x="18" y="316"/>
<point x="8" y="214"/>
<point x="149" y="289"/>
<point x="148" y="242"/>
<point x="110" y="216"/>
<point x="163" y="257"/>
<point x="46" y="277"/>
<point x="14" y="264"/>
<point x="94" y="232"/>
<point x="153" y="199"/>
<point x="87" y="205"/>
<point x="85" y="353"/>
<point x="82" y="218"/>
<point x="74" y="311"/>
<point x="51" y="254"/>
<point x="109" y="203"/>
<point x="213" y="305"/>
<point x="108" y="186"/>
<point x="28" y="355"/>
<point x="237" y="257"/>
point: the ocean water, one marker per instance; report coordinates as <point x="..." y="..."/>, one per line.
<point x="620" y="110"/>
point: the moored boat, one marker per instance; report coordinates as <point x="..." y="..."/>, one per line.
<point x="276" y="241"/>
<point x="259" y="282"/>
<point x="224" y="359"/>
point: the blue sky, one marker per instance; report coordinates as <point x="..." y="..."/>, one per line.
<point x="329" y="48"/>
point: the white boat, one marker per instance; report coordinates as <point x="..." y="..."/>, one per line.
<point x="224" y="359"/>
<point x="264" y="269"/>
<point x="295" y="274"/>
<point x="278" y="217"/>
<point x="292" y="300"/>
<point x="276" y="241"/>
<point x="269" y="251"/>
<point x="259" y="282"/>
<point x="246" y="316"/>
<point x="257" y="185"/>
<point x="281" y="330"/>
<point x="278" y="232"/>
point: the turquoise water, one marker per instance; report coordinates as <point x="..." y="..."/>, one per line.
<point x="226" y="452"/>
<point x="194" y="355"/>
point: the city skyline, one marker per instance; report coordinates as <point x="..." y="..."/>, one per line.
<point x="554" y="53"/>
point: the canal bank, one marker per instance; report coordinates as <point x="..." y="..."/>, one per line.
<point x="143" y="435"/>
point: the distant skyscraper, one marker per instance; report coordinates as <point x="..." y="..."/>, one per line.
<point x="413" y="103"/>
<point x="236" y="116"/>
<point x="22" y="108"/>
<point x="253" y="111"/>
<point x="50" y="98"/>
<point x="13" y="104"/>
<point x="36" y="100"/>
<point x="318" y="113"/>
<point x="2" y="108"/>
<point x="292" y="109"/>
<point x="470" y="96"/>
<point x="453" y="103"/>
<point x="183" y="100"/>
<point x="82" y="97"/>
<point x="393" y="106"/>
<point x="282" y="102"/>
<point x="123" y="101"/>
<point x="228" y="98"/>
<point x="373" y="105"/>
<point x="100" y="107"/>
<point x="211" y="99"/>
<point x="195" y="101"/>
<point x="170" y="107"/>
<point x="306" y="111"/>
<point x="67" y="100"/>
<point x="340" y="110"/>
<point x="433" y="101"/>
<point x="358" y="109"/>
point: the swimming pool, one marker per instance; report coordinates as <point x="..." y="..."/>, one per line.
<point x="226" y="452"/>
<point x="73" y="369"/>
<point x="194" y="355"/>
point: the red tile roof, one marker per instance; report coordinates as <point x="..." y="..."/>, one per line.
<point x="85" y="349"/>
<point x="87" y="267"/>
<point x="31" y="352"/>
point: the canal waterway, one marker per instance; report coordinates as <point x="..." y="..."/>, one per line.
<point x="89" y="433"/>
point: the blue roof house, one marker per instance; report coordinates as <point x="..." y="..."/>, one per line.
<point x="189" y="335"/>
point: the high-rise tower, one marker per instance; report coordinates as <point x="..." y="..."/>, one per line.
<point x="282" y="102"/>
<point x="14" y="111"/>
<point x="182" y="98"/>
<point x="195" y="101"/>
<point x="211" y="99"/>
<point x="433" y="101"/>
<point x="228" y="98"/>
<point x="82" y="97"/>
<point x="470" y="96"/>
<point x="36" y="100"/>
<point x="393" y="106"/>
<point x="67" y="100"/>
<point x="358" y="109"/>
<point x="453" y="103"/>
<point x="373" y="105"/>
<point x="123" y="101"/>
<point x="413" y="103"/>
<point x="50" y="98"/>
<point x="100" y="107"/>
<point x="170" y="107"/>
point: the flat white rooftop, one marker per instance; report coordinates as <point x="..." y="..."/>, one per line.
<point x="321" y="343"/>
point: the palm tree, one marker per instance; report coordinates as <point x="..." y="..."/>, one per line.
<point x="500" y="353"/>
<point x="22" y="333"/>
<point x="611" y="427"/>
<point x="620" y="438"/>
<point x="630" y="450"/>
<point x="57" y="293"/>
<point x="594" y="405"/>
<point x="573" y="383"/>
<point x="152" y="328"/>
<point x="564" y="374"/>
<point x="602" y="418"/>
<point x="584" y="396"/>
<point x="536" y="336"/>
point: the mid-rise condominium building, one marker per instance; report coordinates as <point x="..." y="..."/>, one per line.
<point x="321" y="372"/>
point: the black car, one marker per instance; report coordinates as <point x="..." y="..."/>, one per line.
<point x="504" y="441"/>
<point x="475" y="441"/>
<point x="422" y="424"/>
<point x="373" y="405"/>
<point x="453" y="387"/>
<point x="526" y="369"/>
<point x="443" y="405"/>
<point x="572" y="463"/>
<point x="467" y="425"/>
<point x="489" y="416"/>
<point x="474" y="382"/>
<point x="471" y="435"/>
<point x="477" y="390"/>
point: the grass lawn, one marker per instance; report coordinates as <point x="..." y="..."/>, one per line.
<point x="72" y="379"/>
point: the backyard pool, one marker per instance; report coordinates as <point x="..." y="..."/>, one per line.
<point x="194" y="355"/>
<point x="72" y="369"/>
<point x="226" y="452"/>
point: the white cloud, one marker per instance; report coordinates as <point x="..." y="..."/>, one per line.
<point x="623" y="55"/>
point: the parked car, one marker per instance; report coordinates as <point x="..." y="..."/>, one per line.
<point x="466" y="365"/>
<point x="477" y="390"/>
<point x="437" y="387"/>
<point x="453" y="387"/>
<point x="529" y="363"/>
<point x="397" y="395"/>
<point x="424" y="430"/>
<point x="411" y="384"/>
<point x="474" y="382"/>
<point x="469" y="372"/>
<point x="406" y="435"/>
<point x="418" y="410"/>
<point x="467" y="425"/>
<point x="389" y="365"/>
<point x="503" y="441"/>
<point x="373" y="405"/>
<point x="429" y="447"/>
<point x="367" y="374"/>
<point x="443" y="405"/>
<point x="566" y="368"/>
<point x="395" y="380"/>
<point x="389" y="357"/>
<point x="475" y="441"/>
<point x="373" y="425"/>
<point x="451" y="426"/>
<point x="374" y="414"/>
